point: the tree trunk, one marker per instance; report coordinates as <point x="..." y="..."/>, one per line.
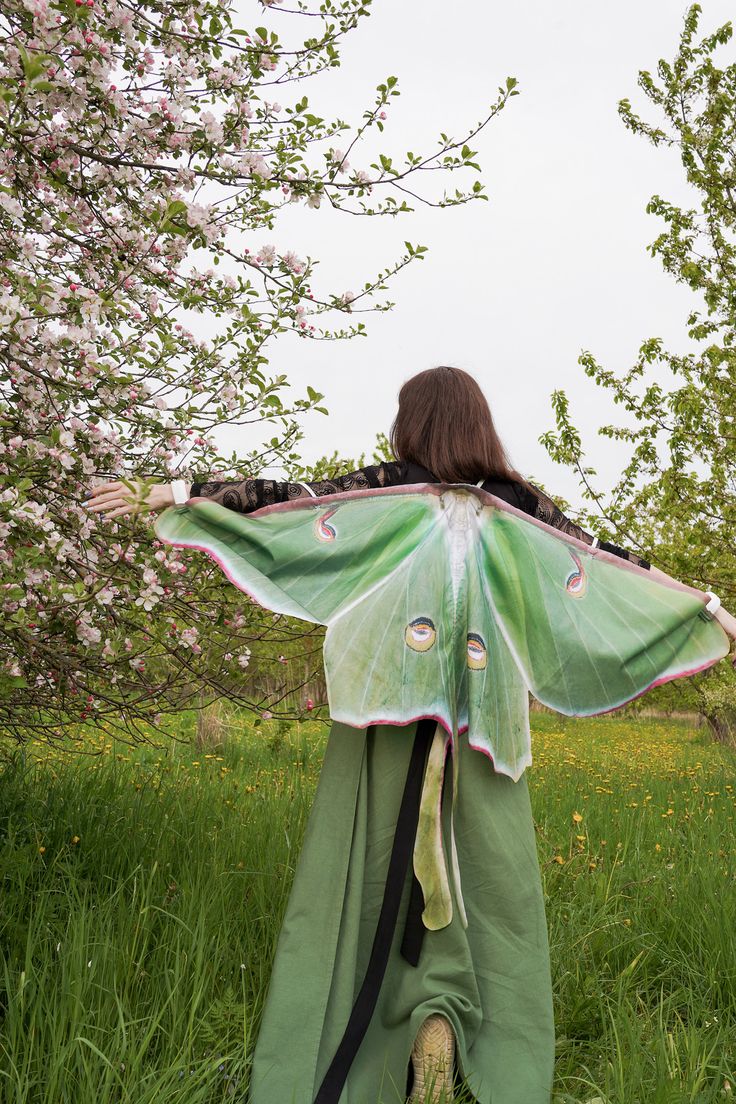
<point x="722" y="724"/>
<point x="210" y="728"/>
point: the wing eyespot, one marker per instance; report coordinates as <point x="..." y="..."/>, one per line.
<point x="477" y="652"/>
<point x="420" y="634"/>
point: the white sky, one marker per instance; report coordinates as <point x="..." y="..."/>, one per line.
<point x="514" y="288"/>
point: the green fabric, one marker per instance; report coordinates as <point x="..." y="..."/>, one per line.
<point x="444" y="601"/>
<point x="492" y="980"/>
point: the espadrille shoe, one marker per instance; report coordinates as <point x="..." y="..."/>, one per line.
<point x="433" y="1058"/>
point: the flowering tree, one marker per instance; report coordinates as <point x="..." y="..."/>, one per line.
<point x="676" y="497"/>
<point x="140" y="160"/>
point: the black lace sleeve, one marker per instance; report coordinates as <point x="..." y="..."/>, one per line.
<point x="246" y="495"/>
<point x="546" y="510"/>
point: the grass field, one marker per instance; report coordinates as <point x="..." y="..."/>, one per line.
<point x="143" y="891"/>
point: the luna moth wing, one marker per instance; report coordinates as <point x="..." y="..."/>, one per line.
<point x="370" y="568"/>
<point x="589" y="630"/>
<point x="306" y="558"/>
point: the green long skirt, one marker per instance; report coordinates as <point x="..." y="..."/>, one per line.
<point x="491" y="980"/>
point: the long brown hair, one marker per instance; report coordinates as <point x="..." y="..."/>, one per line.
<point x="444" y="424"/>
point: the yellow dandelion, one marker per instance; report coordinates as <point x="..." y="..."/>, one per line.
<point x="41" y="850"/>
<point x="559" y="859"/>
<point x="577" y="817"/>
<point x="75" y="839"/>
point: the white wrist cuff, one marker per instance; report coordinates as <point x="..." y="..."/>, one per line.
<point x="181" y="491"/>
<point x="714" y="602"/>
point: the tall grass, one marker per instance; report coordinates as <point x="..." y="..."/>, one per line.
<point x="636" y="836"/>
<point x="143" y="892"/>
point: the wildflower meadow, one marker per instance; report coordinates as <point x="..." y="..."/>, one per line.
<point x="143" y="893"/>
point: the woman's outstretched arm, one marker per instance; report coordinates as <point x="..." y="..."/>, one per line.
<point x="243" y="495"/>
<point x="246" y="495"/>
<point x="547" y="510"/>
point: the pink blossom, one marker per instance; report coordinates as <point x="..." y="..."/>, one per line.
<point x="212" y="128"/>
<point x="337" y="156"/>
<point x="266" y="255"/>
<point x="198" y="215"/>
<point x="292" y="261"/>
<point x="88" y="634"/>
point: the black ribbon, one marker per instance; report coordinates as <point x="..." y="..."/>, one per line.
<point x="414" y="929"/>
<point x="401" y="854"/>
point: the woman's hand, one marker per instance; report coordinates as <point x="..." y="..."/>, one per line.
<point x="115" y="499"/>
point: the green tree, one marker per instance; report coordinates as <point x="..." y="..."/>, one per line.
<point x="144" y="160"/>
<point x="676" y="498"/>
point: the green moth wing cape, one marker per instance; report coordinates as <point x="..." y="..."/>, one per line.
<point x="444" y="601"/>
